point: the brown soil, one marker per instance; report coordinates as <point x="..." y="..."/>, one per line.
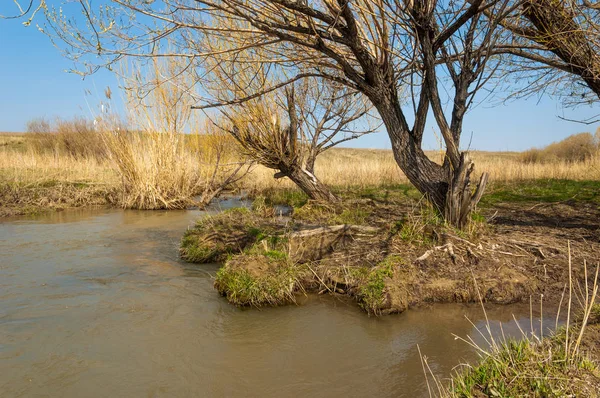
<point x="521" y="253"/>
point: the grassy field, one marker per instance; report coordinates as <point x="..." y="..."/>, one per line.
<point x="34" y="177"/>
<point x="345" y="167"/>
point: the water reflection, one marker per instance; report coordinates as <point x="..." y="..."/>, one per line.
<point x="96" y="303"/>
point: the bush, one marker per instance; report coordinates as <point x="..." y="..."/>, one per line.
<point x="77" y="138"/>
<point x="575" y="148"/>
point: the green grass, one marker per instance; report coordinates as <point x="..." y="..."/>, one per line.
<point x="385" y="193"/>
<point x="194" y="251"/>
<point x="329" y="214"/>
<point x="273" y="285"/>
<point x="417" y="227"/>
<point x="286" y="196"/>
<point x="356" y="216"/>
<point x="371" y="295"/>
<point x="213" y="238"/>
<point x="543" y="190"/>
<point x="526" y="368"/>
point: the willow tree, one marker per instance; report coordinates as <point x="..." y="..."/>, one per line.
<point x="438" y="52"/>
<point x="556" y="44"/>
<point x="287" y="131"/>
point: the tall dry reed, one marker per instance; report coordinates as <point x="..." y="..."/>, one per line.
<point x="167" y="159"/>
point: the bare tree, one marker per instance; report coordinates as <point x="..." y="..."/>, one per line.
<point x="317" y="118"/>
<point x="557" y="44"/>
<point x="438" y="52"/>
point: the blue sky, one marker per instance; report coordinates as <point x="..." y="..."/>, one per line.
<point x="34" y="84"/>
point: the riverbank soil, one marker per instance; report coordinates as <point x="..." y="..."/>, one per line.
<point x="390" y="251"/>
<point x="18" y="199"/>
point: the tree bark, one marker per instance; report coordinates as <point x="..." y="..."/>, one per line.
<point x="308" y="183"/>
<point x="558" y="32"/>
<point x="447" y="189"/>
<point x="427" y="176"/>
<point x="460" y="200"/>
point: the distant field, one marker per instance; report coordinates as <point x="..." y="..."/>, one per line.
<point x="340" y="167"/>
<point x="376" y="167"/>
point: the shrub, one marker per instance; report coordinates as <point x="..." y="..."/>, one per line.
<point x="77" y="138"/>
<point x="575" y="148"/>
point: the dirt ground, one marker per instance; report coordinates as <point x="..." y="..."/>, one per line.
<point x="522" y="252"/>
<point x="399" y="256"/>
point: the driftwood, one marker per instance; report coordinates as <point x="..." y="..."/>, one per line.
<point x="448" y="248"/>
<point x="312" y="244"/>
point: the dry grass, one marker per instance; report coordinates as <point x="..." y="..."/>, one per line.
<point x="162" y="167"/>
<point x="345" y="167"/>
<point x="187" y="167"/>
<point x="164" y="171"/>
<point x="31" y="181"/>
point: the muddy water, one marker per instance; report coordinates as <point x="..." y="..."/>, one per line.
<point x="96" y="304"/>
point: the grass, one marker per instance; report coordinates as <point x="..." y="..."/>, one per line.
<point x="32" y="182"/>
<point x="259" y="277"/>
<point x="374" y="171"/>
<point x="148" y="179"/>
<point x="543" y="190"/>
<point x="371" y="294"/>
<point x="214" y="238"/>
<point x="328" y="214"/>
<point x="284" y="196"/>
<point x="535" y="366"/>
<point x="527" y="368"/>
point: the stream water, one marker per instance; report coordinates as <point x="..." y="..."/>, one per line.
<point x="97" y="304"/>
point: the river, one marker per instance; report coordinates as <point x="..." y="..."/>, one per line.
<point x="96" y="303"/>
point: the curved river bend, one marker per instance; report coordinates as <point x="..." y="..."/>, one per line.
<point x="97" y="304"/>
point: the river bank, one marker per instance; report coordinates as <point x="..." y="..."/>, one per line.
<point x="49" y="172"/>
<point x="391" y="252"/>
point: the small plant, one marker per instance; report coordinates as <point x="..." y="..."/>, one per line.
<point x="371" y="295"/>
<point x="258" y="279"/>
<point x="536" y="366"/>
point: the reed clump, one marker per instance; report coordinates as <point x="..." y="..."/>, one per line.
<point x="158" y="171"/>
<point x="537" y="365"/>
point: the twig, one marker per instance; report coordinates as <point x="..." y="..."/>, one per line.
<point x="319" y="278"/>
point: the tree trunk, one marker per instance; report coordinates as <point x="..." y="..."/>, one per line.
<point x="427" y="176"/>
<point x="309" y="184"/>
<point x="460" y="200"/>
<point x="448" y="190"/>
